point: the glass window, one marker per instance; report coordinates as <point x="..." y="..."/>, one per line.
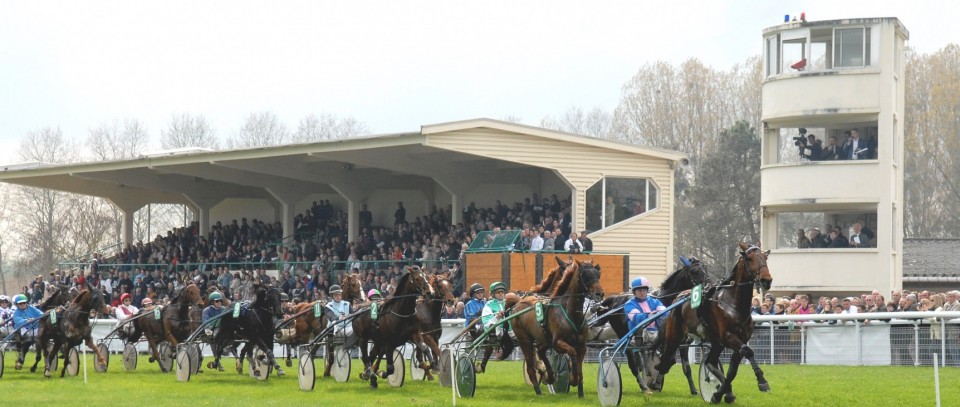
<point x="850" y="49"/>
<point x="772" y="58"/>
<point x="612" y="200"/>
<point x="798" y="145"/>
<point x="816" y="230"/>
<point x="793" y="53"/>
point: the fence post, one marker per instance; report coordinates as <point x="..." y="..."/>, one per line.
<point x="803" y="344"/>
<point x="859" y="342"/>
<point x="916" y="343"/>
<point x="771" y="343"/>
<point x="943" y="342"/>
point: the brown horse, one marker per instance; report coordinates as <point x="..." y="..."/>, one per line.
<point x="352" y="288"/>
<point x="72" y="328"/>
<point x="723" y="320"/>
<point x="396" y="323"/>
<point x="177" y="321"/>
<point x="429" y="311"/>
<point x="564" y="325"/>
<point x="54" y="296"/>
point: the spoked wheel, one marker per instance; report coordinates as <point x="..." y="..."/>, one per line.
<point x="73" y="359"/>
<point x="260" y="367"/>
<point x="129" y="357"/>
<point x="105" y="351"/>
<point x="466" y="376"/>
<point x="609" y="386"/>
<point x="166" y="356"/>
<point x="561" y="366"/>
<point x="709" y="382"/>
<point x="399" y="367"/>
<point x="416" y="372"/>
<point x="341" y="364"/>
<point x="306" y="374"/>
<point x="526" y="377"/>
<point x="195" y="356"/>
<point x="445" y="371"/>
<point x="183" y="363"/>
<point x="1" y="361"/>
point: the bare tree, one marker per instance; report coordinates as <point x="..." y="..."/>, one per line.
<point x="328" y="127"/>
<point x="118" y="140"/>
<point x="595" y="123"/>
<point x="185" y="130"/>
<point x="260" y="130"/>
<point x="512" y="118"/>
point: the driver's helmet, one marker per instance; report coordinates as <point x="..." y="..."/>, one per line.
<point x="474" y="288"/>
<point x="216" y="296"/>
<point x="374" y="294"/>
<point x="335" y="289"/>
<point x="639" y="282"/>
<point x="4" y="298"/>
<point x="284" y="297"/>
<point x="146" y="302"/>
<point x="19" y="298"/>
<point x="497" y="286"/>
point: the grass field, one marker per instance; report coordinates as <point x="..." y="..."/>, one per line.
<point x="502" y="385"/>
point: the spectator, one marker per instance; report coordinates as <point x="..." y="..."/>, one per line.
<point x="536" y="244"/>
<point x="548" y="241"/>
<point x="803" y="242"/>
<point x="586" y="242"/>
<point x="400" y="215"/>
<point x="831" y="151"/>
<point x="857" y="239"/>
<point x="573" y="245"/>
<point x="837" y="240"/>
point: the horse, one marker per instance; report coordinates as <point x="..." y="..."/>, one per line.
<point x="352" y="288"/>
<point x="564" y="323"/>
<point x="429" y="311"/>
<point x="545" y="288"/>
<point x="54" y="296"/>
<point x="396" y="323"/>
<point x="177" y="320"/>
<point x="72" y="327"/>
<point x="254" y="325"/>
<point x="685" y="278"/>
<point x="723" y="319"/>
<point x="303" y="326"/>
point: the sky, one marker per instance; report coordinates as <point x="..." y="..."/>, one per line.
<point x="394" y="65"/>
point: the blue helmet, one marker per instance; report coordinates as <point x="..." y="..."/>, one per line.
<point x="639" y="282"/>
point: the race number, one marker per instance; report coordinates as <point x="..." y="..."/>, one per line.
<point x="696" y="296"/>
<point x="53" y="317"/>
<point x="374" y="311"/>
<point x="538" y="311"/>
<point x="317" y="310"/>
<point x="156" y="313"/>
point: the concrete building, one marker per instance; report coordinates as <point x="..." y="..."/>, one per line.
<point x="622" y="193"/>
<point x="841" y="81"/>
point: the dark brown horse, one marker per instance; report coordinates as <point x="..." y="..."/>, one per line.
<point x="396" y="323"/>
<point x="177" y="321"/>
<point x="429" y="310"/>
<point x="54" y="297"/>
<point x="681" y="280"/>
<point x="301" y="326"/>
<point x="254" y="326"/>
<point x="72" y="328"/>
<point x="564" y="325"/>
<point x="723" y="320"/>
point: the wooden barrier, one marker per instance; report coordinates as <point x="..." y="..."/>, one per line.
<point x="520" y="271"/>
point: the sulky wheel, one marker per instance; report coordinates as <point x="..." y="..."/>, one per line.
<point x="183" y="364"/>
<point x="466" y="376"/>
<point x="195" y="357"/>
<point x="166" y="356"/>
<point x="1" y="360"/>
<point x="609" y="386"/>
<point x="341" y="364"/>
<point x="561" y="365"/>
<point x="129" y="357"/>
<point x="709" y="382"/>
<point x="445" y="371"/>
<point x="105" y="351"/>
<point x="54" y="361"/>
<point x="260" y="367"/>
<point x="73" y="357"/>
<point x="396" y="359"/>
<point x="306" y="373"/>
<point x="416" y="372"/>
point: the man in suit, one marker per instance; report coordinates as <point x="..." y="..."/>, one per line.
<point x="856" y="148"/>
<point x="858" y="239"/>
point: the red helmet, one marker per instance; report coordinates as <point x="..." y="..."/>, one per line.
<point x="125" y="296"/>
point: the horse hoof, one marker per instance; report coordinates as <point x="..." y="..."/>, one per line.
<point x="289" y="363"/>
<point x="18" y="366"/>
<point x="151" y="359"/>
<point x="729" y="398"/>
<point x="46" y="373"/>
<point x="765" y="387"/>
<point x="715" y="398"/>
<point x="33" y="369"/>
<point x="373" y="382"/>
<point x="280" y="372"/>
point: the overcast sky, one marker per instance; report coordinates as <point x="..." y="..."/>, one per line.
<point x="394" y="65"/>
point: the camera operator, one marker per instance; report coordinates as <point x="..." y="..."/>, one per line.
<point x="810" y="148"/>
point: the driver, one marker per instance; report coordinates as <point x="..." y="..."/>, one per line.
<point x="339" y="309"/>
<point x="640" y="307"/>
<point x="375" y="296"/>
<point x="474" y="307"/>
<point x="124" y="312"/>
<point x="25" y="316"/>
<point x="212" y="310"/>
<point x="6" y="317"/>
<point x="493" y="310"/>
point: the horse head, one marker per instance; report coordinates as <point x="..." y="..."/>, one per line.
<point x="442" y="287"/>
<point x="191" y="293"/>
<point x="91" y="299"/>
<point x="755" y="265"/>
<point x="352" y="287"/>
<point x="589" y="279"/>
<point x="418" y="278"/>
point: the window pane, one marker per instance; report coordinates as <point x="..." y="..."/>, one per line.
<point x="849" y="50"/>
<point x="815" y="229"/>
<point x="625" y="198"/>
<point x="792" y="53"/>
<point x="772" y="56"/>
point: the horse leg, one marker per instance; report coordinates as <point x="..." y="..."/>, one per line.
<point x="551" y="376"/>
<point x="529" y="355"/>
<point x="575" y="380"/>
<point x="328" y="359"/>
<point x="727" y="388"/>
<point x="375" y="366"/>
<point x="713" y="365"/>
<point x="687" y="371"/>
<point x="747" y="352"/>
<point x="364" y="357"/>
<point x="244" y="352"/>
<point x="66" y="361"/>
<point x="52" y="353"/>
<point x="100" y="359"/>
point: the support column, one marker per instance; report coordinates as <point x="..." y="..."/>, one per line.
<point x="354" y="196"/>
<point x="288" y="199"/>
<point x="127" y="226"/>
<point x="456" y="214"/>
<point x="201" y="206"/>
